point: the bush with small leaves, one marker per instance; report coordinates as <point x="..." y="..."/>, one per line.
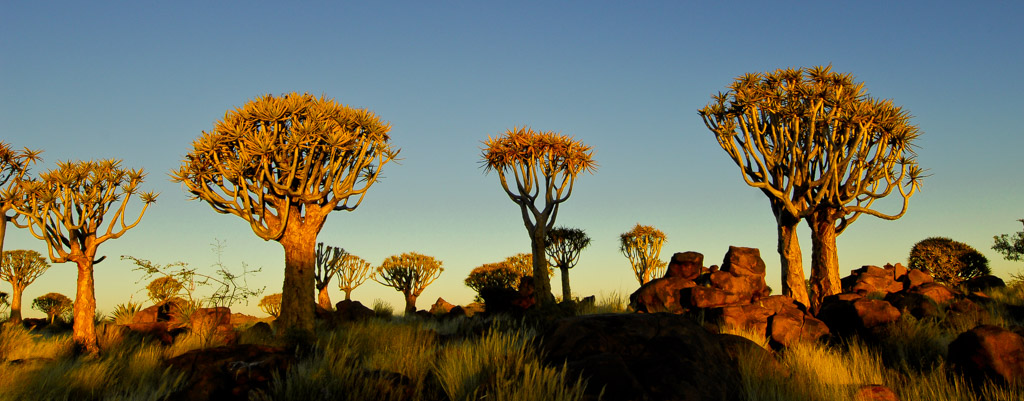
<point x="949" y="261"/>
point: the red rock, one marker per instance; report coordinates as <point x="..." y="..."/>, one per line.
<point x="660" y="295"/>
<point x="352" y="311"/>
<point x="873" y="312"/>
<point x="858" y="316"/>
<point x="916" y="277"/>
<point x="685" y="265"/>
<point x="749" y="317"/>
<point x="229" y="372"/>
<point x="937" y="292"/>
<point x="707" y="297"/>
<point x="743" y="261"/>
<point x="777" y="303"/>
<point x="897" y="271"/>
<point x="752" y="287"/>
<point x="791" y="325"/>
<point x="874" y="392"/>
<point x="441" y="307"/>
<point x="990" y="352"/>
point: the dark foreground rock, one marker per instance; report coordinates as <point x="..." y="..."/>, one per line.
<point x="988" y="352"/>
<point x="644" y="357"/>
<point x="229" y="372"/>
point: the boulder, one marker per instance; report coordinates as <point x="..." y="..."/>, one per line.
<point x="685" y="265"/>
<point x="525" y="299"/>
<point x="847" y="317"/>
<point x="965" y="313"/>
<point x="914" y="278"/>
<point x="752" y="287"/>
<point x="792" y="325"/>
<point x="750" y="317"/>
<point x="214" y="323"/>
<point x="983" y="283"/>
<point x="660" y="295"/>
<point x="229" y="372"/>
<point x="871" y="279"/>
<point x="644" y="356"/>
<point x="707" y="297"/>
<point x="988" y="352"/>
<point x="159" y="331"/>
<point x="351" y="311"/>
<point x="897" y="270"/>
<point x="916" y="305"/>
<point x="441" y="307"/>
<point x="743" y="262"/>
<point x="937" y="292"/>
<point x="874" y="392"/>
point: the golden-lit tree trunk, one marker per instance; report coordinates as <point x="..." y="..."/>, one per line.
<point x="16" y="303"/>
<point x="3" y="229"/>
<point x="410" y="303"/>
<point x="541" y="281"/>
<point x="792" y="260"/>
<point x="84" y="328"/>
<point x="348" y="295"/>
<point x="324" y="299"/>
<point x="566" y="291"/>
<point x="299" y="245"/>
<point x="824" y="261"/>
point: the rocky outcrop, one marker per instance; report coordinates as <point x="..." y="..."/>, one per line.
<point x="440" y="307"/>
<point x="988" y="352"/>
<point x="851" y="314"/>
<point x="351" y="311"/>
<point x="229" y="372"/>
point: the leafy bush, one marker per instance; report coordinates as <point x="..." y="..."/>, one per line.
<point x="949" y="261"/>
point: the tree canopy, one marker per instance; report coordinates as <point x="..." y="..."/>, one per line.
<point x="947" y="260"/>
<point x="1010" y="246"/>
<point x="642" y="246"/>
<point x="410" y="273"/>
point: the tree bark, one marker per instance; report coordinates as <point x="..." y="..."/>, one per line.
<point x="296" y="295"/>
<point x="16" y="304"/>
<point x="3" y="229"/>
<point x="792" y="261"/>
<point x="410" y="304"/>
<point x="541" y="281"/>
<point x="566" y="291"/>
<point x="824" y="260"/>
<point x="84" y="328"/>
<point x="348" y="295"/>
<point x="324" y="299"/>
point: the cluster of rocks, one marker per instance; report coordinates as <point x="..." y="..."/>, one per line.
<point x="166" y="320"/>
<point x="734" y="295"/>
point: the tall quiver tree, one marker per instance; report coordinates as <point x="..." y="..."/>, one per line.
<point x="328" y="261"/>
<point x="67" y="208"/>
<point x="14" y="165"/>
<point x="352" y="273"/>
<point x="642" y="246"/>
<point x="543" y="165"/>
<point x="282" y="164"/>
<point x="21" y="268"/>
<point x="821" y="150"/>
<point x="563" y="249"/>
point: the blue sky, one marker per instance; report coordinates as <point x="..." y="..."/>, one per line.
<point x="141" y="81"/>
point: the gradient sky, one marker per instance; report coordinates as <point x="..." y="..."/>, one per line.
<point x="85" y="80"/>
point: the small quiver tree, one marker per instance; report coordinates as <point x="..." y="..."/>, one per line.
<point x="75" y="208"/>
<point x="541" y="165"/>
<point x="948" y="261"/>
<point x="354" y="272"/>
<point x="1011" y="247"/>
<point x="55" y="306"/>
<point x="564" y="247"/>
<point x="20" y="268"/>
<point x="282" y="164"/>
<point x="642" y="246"/>
<point x="14" y="164"/>
<point x="271" y="305"/>
<point x="163" y="288"/>
<point x="328" y="261"/>
<point x="3" y="305"/>
<point x="410" y="273"/>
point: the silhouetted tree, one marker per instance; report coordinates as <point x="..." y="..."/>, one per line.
<point x="21" y="268"/>
<point x="642" y="246"/>
<point x="410" y="273"/>
<point x="14" y="164"/>
<point x="67" y="208"/>
<point x="564" y="247"/>
<point x="55" y="306"/>
<point x="3" y="302"/>
<point x="1011" y="247"/>
<point x="354" y="272"/>
<point x="282" y="164"/>
<point x="328" y="261"/>
<point x="543" y="165"/>
<point x="163" y="288"/>
<point x="271" y="304"/>
<point x="949" y="261"/>
<point x="822" y="150"/>
<point x="494" y="275"/>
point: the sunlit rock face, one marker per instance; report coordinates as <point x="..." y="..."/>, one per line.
<point x="988" y="353"/>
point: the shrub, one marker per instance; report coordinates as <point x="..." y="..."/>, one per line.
<point x="382" y="308"/>
<point x="163" y="288"/>
<point x="949" y="261"/>
<point x="124" y="313"/>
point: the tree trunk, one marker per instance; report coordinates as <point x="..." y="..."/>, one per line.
<point x="16" y="304"/>
<point x="824" y="261"/>
<point x="324" y="299"/>
<point x="541" y="280"/>
<point x="792" y="261"/>
<point x="410" y="304"/>
<point x="348" y="295"/>
<point x="3" y="229"/>
<point x="84" y="328"/>
<point x="566" y="291"/>
<point x="297" y="294"/>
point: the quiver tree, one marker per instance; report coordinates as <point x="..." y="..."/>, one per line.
<point x="949" y="261"/>
<point x="55" y="306"/>
<point x="822" y="150"/>
<point x="543" y="165"/>
<point x="14" y="165"/>
<point x="162" y="289"/>
<point x="75" y="208"/>
<point x="271" y="305"/>
<point x="1011" y="247"/>
<point x="564" y="247"/>
<point x="642" y="246"/>
<point x="21" y="268"/>
<point x="410" y="273"/>
<point x="328" y="261"/>
<point x="352" y="273"/>
<point x="282" y="164"/>
<point x="494" y="275"/>
<point x="3" y="302"/>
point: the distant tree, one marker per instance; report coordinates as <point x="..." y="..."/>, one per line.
<point x="67" y="208"/>
<point x="564" y="247"/>
<point x="55" y="306"/>
<point x="642" y="246"/>
<point x="354" y="272"/>
<point x="282" y="164"/>
<point x="410" y="273"/>
<point x="14" y="164"/>
<point x="822" y="150"/>
<point x="3" y="303"/>
<point x="271" y="304"/>
<point x="21" y="268"/>
<point x="1011" y="247"/>
<point x="328" y="261"/>
<point x="163" y="288"/>
<point x="544" y="165"/>
<point x="494" y="275"/>
<point x="949" y="261"/>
